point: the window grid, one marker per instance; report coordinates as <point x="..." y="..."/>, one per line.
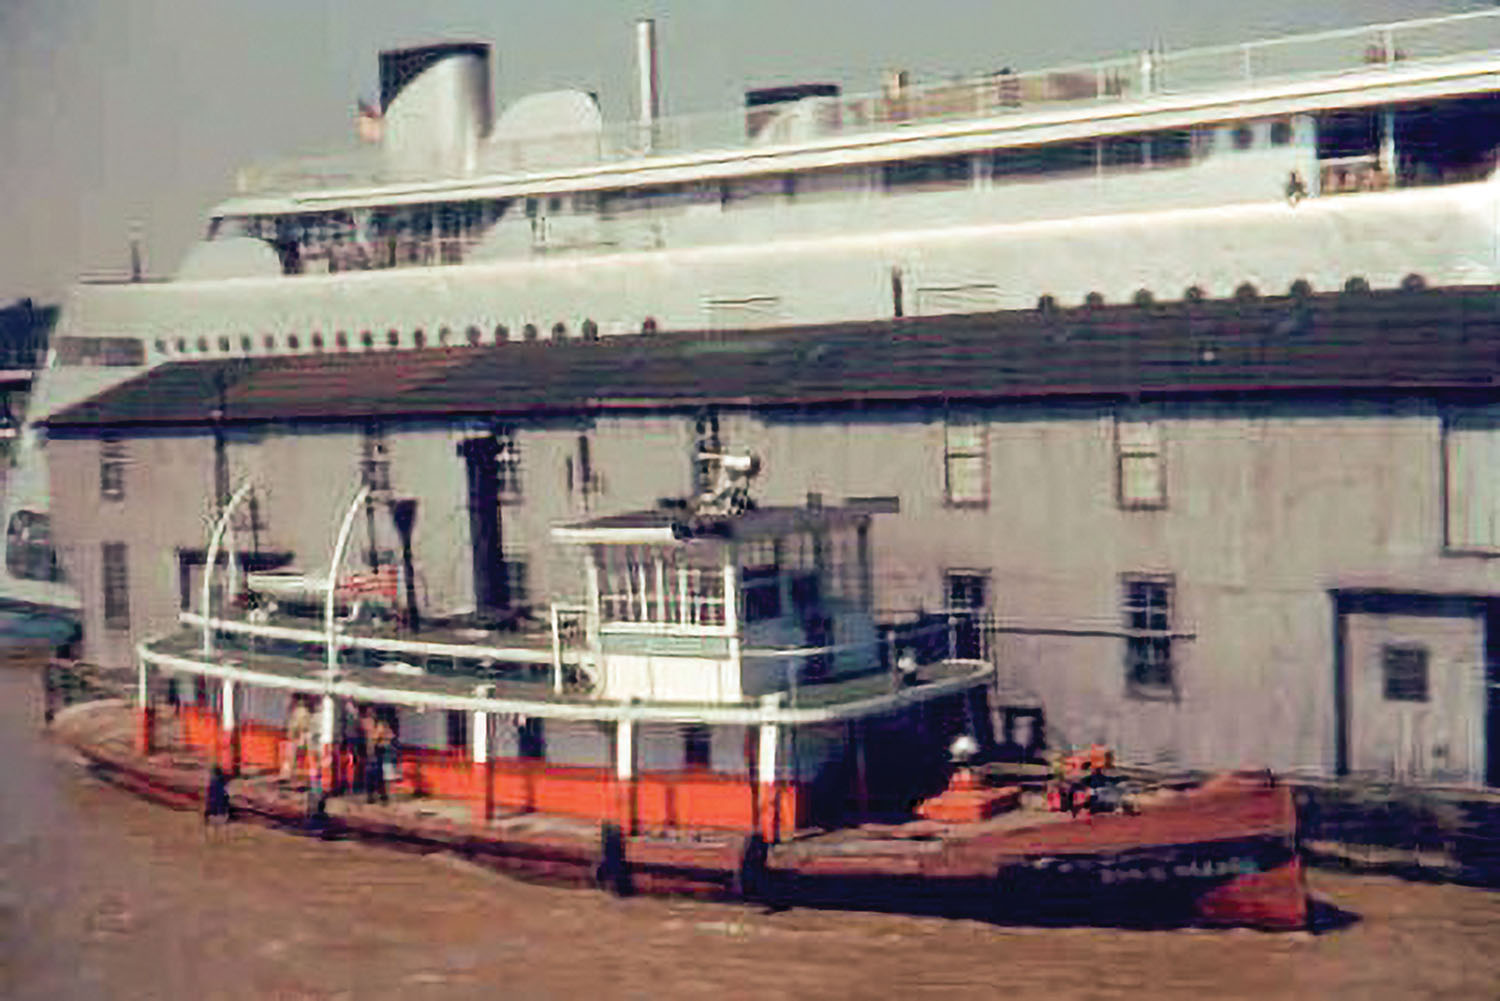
<point x="965" y="464"/>
<point x="115" y="574"/>
<point x="1148" y="613"/>
<point x="1141" y="481"/>
<point x="112" y="458"/>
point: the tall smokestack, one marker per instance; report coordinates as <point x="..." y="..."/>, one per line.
<point x="650" y="96"/>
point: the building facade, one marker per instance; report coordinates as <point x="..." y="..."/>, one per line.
<point x="1209" y="535"/>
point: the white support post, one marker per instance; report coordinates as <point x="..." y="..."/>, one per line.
<point x="210" y="559"/>
<point x="228" y="728"/>
<point x="326" y="721"/>
<point x="557" y="671"/>
<point x="226" y="708"/>
<point x="335" y="564"/>
<point x="625" y="774"/>
<point x="479" y="736"/>
<point x="1388" y="146"/>
<point x="731" y="624"/>
<point x="767" y="766"/>
<point x="625" y="750"/>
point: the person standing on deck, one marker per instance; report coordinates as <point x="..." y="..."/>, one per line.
<point x="299" y="737"/>
<point x="382" y="737"/>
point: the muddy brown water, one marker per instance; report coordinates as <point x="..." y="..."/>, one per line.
<point x="103" y="895"/>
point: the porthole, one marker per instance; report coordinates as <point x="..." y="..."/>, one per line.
<point x="502" y="333"/>
<point x="1281" y="132"/>
<point x="1193" y="293"/>
<point x="367" y="339"/>
<point x="444" y="337"/>
<point x="292" y="343"/>
<point x="224" y="344"/>
<point x="247" y="344"/>
<point x="419" y="338"/>
<point x="559" y="331"/>
<point x="317" y="341"/>
<point x="161" y="346"/>
<point x="474" y="335"/>
<point x="203" y="344"/>
<point x="1244" y="137"/>
<point x="590" y="330"/>
<point x="341" y="341"/>
<point x="270" y="342"/>
<point x="648" y="325"/>
<point x="528" y="332"/>
<point x="393" y="338"/>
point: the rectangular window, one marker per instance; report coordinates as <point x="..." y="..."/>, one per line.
<point x="514" y="568"/>
<point x="697" y="749"/>
<point x="968" y="602"/>
<point x="760" y="581"/>
<point x="931" y="172"/>
<point x="375" y="460"/>
<point x="1404" y="670"/>
<point x="507" y="467"/>
<point x="1148" y="601"/>
<point x="1471" y="454"/>
<point x="115" y="578"/>
<point x="458" y="729"/>
<point x="965" y="464"/>
<point x="706" y="442"/>
<point x="531" y="739"/>
<point x="1141" y="474"/>
<point x="112" y="458"/>
<point x="1038" y="161"/>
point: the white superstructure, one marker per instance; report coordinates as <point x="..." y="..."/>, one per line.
<point x="1362" y="157"/>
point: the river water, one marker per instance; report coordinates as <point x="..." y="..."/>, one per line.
<point x="106" y="896"/>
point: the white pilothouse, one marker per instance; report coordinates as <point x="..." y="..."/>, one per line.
<point x="1349" y="159"/>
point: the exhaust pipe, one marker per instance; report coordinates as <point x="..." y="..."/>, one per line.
<point x="649" y="83"/>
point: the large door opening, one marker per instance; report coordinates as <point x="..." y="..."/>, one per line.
<point x="1413" y="682"/>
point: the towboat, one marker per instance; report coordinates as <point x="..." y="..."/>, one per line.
<point x="720" y="713"/>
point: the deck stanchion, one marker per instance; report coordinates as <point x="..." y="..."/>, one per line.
<point x="625" y="775"/>
<point x="769" y="820"/>
<point x="484" y="792"/>
<point x="229" y="730"/>
<point x="145" y="726"/>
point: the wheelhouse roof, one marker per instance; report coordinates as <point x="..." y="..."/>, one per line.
<point x="674" y="526"/>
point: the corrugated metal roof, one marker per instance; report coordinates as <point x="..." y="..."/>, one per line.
<point x="1438" y="340"/>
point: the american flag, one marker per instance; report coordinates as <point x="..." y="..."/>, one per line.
<point x="382" y="582"/>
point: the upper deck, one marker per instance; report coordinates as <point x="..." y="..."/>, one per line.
<point x="1347" y="59"/>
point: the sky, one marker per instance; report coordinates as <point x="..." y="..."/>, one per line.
<point x="122" y="113"/>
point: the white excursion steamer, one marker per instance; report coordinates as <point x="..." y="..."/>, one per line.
<point x="1342" y="159"/>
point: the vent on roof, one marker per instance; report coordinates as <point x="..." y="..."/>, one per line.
<point x="968" y="297"/>
<point x="742" y="312"/>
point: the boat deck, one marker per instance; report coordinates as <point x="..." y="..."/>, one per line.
<point x="517" y="682"/>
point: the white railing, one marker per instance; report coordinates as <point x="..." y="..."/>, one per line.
<point x="1327" y="53"/>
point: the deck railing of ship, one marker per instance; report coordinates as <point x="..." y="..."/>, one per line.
<point x="1390" y="47"/>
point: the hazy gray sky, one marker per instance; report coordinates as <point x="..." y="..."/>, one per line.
<point x="121" y="110"/>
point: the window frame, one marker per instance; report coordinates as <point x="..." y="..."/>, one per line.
<point x="113" y="458"/>
<point x="114" y="579"/>
<point x="981" y="451"/>
<point x="1149" y="643"/>
<point x="1124" y="451"/>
